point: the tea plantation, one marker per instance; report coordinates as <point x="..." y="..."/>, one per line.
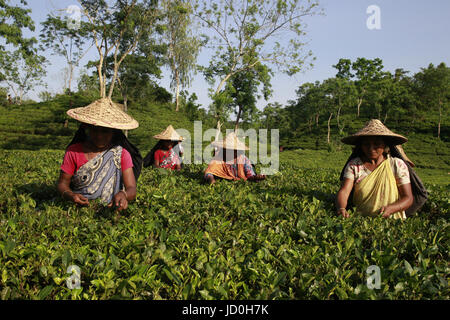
<point x="181" y="239"/>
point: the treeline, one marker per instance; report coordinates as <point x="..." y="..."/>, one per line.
<point x="362" y="89"/>
<point x="134" y="39"/>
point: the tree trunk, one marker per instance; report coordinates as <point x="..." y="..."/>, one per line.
<point x="113" y="82"/>
<point x="385" y="117"/>
<point x="440" y="117"/>
<point x="329" y="129"/>
<point x="219" y="125"/>
<point x="221" y="84"/>
<point x="177" y="92"/>
<point x="317" y="120"/>
<point x="359" y="104"/>
<point x="100" y="79"/>
<point x="236" y="125"/>
<point x="125" y="108"/>
<point x="338" y="113"/>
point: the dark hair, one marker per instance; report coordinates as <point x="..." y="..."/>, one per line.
<point x="149" y="159"/>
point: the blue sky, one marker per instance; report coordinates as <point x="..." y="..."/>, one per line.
<point x="413" y="34"/>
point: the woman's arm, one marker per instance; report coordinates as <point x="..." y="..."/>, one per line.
<point x="209" y="178"/>
<point x="156" y="158"/>
<point x="342" y="197"/>
<point x="405" y="201"/>
<point x="67" y="193"/>
<point x="121" y="199"/>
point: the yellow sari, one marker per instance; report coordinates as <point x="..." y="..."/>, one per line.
<point x="376" y="190"/>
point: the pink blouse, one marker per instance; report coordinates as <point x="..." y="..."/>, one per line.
<point x="75" y="158"/>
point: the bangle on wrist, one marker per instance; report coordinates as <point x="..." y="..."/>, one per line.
<point x="126" y="195"/>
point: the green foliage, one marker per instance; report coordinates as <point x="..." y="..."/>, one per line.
<point x="180" y="239"/>
<point x="400" y="101"/>
<point x="21" y="74"/>
<point x="57" y="35"/>
<point x="41" y="125"/>
<point x="183" y="45"/>
<point x="247" y="42"/>
<point x="13" y="20"/>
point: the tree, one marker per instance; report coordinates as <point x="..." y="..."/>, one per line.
<point x="366" y="71"/>
<point x="135" y="73"/>
<point x="311" y="98"/>
<point x="13" y="20"/>
<point x="66" y="41"/>
<point x="433" y="86"/>
<point x="45" y="96"/>
<point x="183" y="47"/>
<point x="254" y="31"/>
<point x="273" y="115"/>
<point x="191" y="108"/>
<point x="344" y="69"/>
<point x="117" y="30"/>
<point x="245" y="91"/>
<point x="22" y="74"/>
<point x="342" y="92"/>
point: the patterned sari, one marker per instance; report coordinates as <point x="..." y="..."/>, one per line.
<point x="100" y="177"/>
<point x="240" y="168"/>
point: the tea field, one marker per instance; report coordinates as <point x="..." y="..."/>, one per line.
<point x="181" y="239"/>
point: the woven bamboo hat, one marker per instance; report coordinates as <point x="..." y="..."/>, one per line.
<point x="104" y="113"/>
<point x="169" y="134"/>
<point x="375" y="128"/>
<point x="231" y="142"/>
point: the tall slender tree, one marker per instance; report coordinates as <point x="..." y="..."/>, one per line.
<point x="255" y="31"/>
<point x="66" y="41"/>
<point x="366" y="71"/>
<point x="433" y="86"/>
<point x="116" y="30"/>
<point x="183" y="45"/>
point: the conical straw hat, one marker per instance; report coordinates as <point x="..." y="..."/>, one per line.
<point x="104" y="113"/>
<point x="375" y="128"/>
<point x="231" y="142"/>
<point x="169" y="134"/>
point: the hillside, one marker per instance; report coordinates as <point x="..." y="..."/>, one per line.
<point x="182" y="239"/>
<point x="41" y="125"/>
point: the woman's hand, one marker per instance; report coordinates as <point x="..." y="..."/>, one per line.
<point x="344" y="213"/>
<point x="79" y="199"/>
<point x="257" y="177"/>
<point x="66" y="192"/>
<point x="120" y="201"/>
<point x="388" y="210"/>
<point x="342" y="197"/>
